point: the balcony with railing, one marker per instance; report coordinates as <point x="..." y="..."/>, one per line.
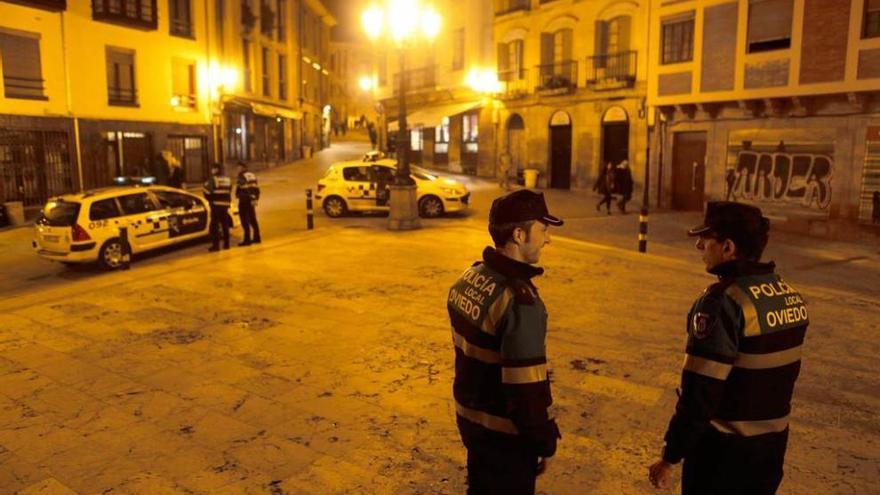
<point x="134" y="13"/>
<point x="558" y="77"/>
<point x="122" y="96"/>
<point x="514" y="83"/>
<point x="421" y="79"/>
<point x="610" y="71"/>
<point x="504" y="7"/>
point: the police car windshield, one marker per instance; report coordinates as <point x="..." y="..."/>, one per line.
<point x="59" y="214"/>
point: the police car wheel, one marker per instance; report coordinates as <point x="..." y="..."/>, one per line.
<point x="335" y="207"/>
<point x="430" y="207"/>
<point x="111" y="253"/>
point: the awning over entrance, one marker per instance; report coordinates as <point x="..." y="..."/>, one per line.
<point x="433" y="116"/>
<point x="275" y="111"/>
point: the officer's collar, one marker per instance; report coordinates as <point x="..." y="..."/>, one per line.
<point x="509" y="267"/>
<point x="736" y="268"/>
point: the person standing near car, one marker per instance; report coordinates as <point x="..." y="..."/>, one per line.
<point x="248" y="193"/>
<point x="218" y="192"/>
<point x="499" y="330"/>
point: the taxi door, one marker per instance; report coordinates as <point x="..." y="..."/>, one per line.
<point x="147" y="223"/>
<point x="383" y="177"/>
<point x="359" y="187"/>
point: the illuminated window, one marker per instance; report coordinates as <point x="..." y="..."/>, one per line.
<point x="678" y="39"/>
<point x="769" y="25"/>
<point x="470" y="130"/>
<point x="183" y="80"/>
<point x="441" y="137"/>
<point x="871" y="27"/>
<point x="415" y="139"/>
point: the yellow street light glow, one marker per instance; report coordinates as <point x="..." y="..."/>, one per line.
<point x="483" y="81"/>
<point x="402" y="17"/>
<point x="372" y="22"/>
<point x="430" y="23"/>
<point x="365" y="83"/>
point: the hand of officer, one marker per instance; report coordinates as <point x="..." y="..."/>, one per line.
<point x="542" y="465"/>
<point x="660" y="474"/>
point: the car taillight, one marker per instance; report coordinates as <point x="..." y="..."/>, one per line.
<point x="80" y="234"/>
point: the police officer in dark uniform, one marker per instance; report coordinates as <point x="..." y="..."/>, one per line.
<point x="742" y="359"/>
<point x="218" y="192"/>
<point x="499" y="330"/>
<point x="248" y="193"/>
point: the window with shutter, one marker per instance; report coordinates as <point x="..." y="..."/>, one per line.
<point x="503" y="62"/>
<point x="515" y="58"/>
<point x="546" y="55"/>
<point x="180" y="18"/>
<point x="600" y="45"/>
<point x="120" y="77"/>
<point x="677" y="39"/>
<point x="139" y="13"/>
<point x="769" y="25"/>
<point x="871" y="19"/>
<point x="22" y="72"/>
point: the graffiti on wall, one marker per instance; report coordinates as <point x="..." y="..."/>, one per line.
<point x="785" y="171"/>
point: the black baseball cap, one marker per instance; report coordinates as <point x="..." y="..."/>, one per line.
<point x="521" y="206"/>
<point x="742" y="223"/>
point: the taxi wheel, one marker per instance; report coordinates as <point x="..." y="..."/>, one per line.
<point x="335" y="207"/>
<point x="430" y="207"/>
<point x="110" y="256"/>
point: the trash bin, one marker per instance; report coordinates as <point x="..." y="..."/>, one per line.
<point x="531" y="177"/>
<point x="14" y="212"/>
<point x="307" y="151"/>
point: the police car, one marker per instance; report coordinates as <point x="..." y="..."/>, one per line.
<point x="84" y="227"/>
<point x="355" y="186"/>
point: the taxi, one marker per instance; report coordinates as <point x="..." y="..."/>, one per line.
<point x="360" y="185"/>
<point x="85" y="227"/>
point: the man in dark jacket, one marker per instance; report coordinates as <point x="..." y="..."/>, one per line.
<point x="218" y="192"/>
<point x="248" y="193"/>
<point x="742" y="359"/>
<point x="499" y="329"/>
<point x="623" y="181"/>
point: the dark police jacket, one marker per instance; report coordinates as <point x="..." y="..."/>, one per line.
<point x="499" y="329"/>
<point x="742" y="359"/>
<point x="246" y="189"/>
<point x="218" y="191"/>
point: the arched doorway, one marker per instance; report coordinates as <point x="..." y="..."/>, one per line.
<point x="615" y="136"/>
<point x="560" y="150"/>
<point x="516" y="143"/>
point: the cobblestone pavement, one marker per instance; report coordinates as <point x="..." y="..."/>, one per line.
<point x="321" y="363"/>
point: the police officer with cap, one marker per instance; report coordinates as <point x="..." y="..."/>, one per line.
<point x="742" y="359"/>
<point x="499" y="330"/>
<point x="218" y="192"/>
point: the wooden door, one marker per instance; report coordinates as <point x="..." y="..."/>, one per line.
<point x="688" y="170"/>
<point x="560" y="156"/>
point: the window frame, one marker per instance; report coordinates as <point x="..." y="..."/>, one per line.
<point x="112" y="201"/>
<point x="115" y="77"/>
<point x="686" y="23"/>
<point x="770" y="44"/>
<point x="27" y="92"/>
<point x="101" y="11"/>
<point x="175" y="25"/>
<point x="871" y="30"/>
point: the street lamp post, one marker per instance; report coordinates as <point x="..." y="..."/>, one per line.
<point x="402" y="18"/>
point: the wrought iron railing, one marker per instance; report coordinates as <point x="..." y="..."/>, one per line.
<point x="121" y="96"/>
<point x="613" y="70"/>
<point x="514" y="81"/>
<point x="558" y="75"/>
<point x="417" y="79"/>
<point x="137" y="13"/>
<point x="23" y="87"/>
<point x="503" y="7"/>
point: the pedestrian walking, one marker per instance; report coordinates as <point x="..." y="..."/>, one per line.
<point x="174" y="173"/>
<point x="248" y="193"/>
<point x="605" y="186"/>
<point x="374" y="137"/>
<point x="218" y="192"/>
<point x="499" y="329"/>
<point x="742" y="359"/>
<point x="623" y="180"/>
<point x="504" y="170"/>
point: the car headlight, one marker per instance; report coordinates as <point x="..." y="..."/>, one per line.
<point x="450" y="191"/>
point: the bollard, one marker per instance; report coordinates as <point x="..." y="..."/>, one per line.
<point x="310" y="214"/>
<point x="643" y="230"/>
<point x="126" y="248"/>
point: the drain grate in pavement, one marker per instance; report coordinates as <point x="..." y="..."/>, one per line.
<point x="176" y="336"/>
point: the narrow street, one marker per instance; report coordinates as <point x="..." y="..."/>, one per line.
<point x="320" y="362"/>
